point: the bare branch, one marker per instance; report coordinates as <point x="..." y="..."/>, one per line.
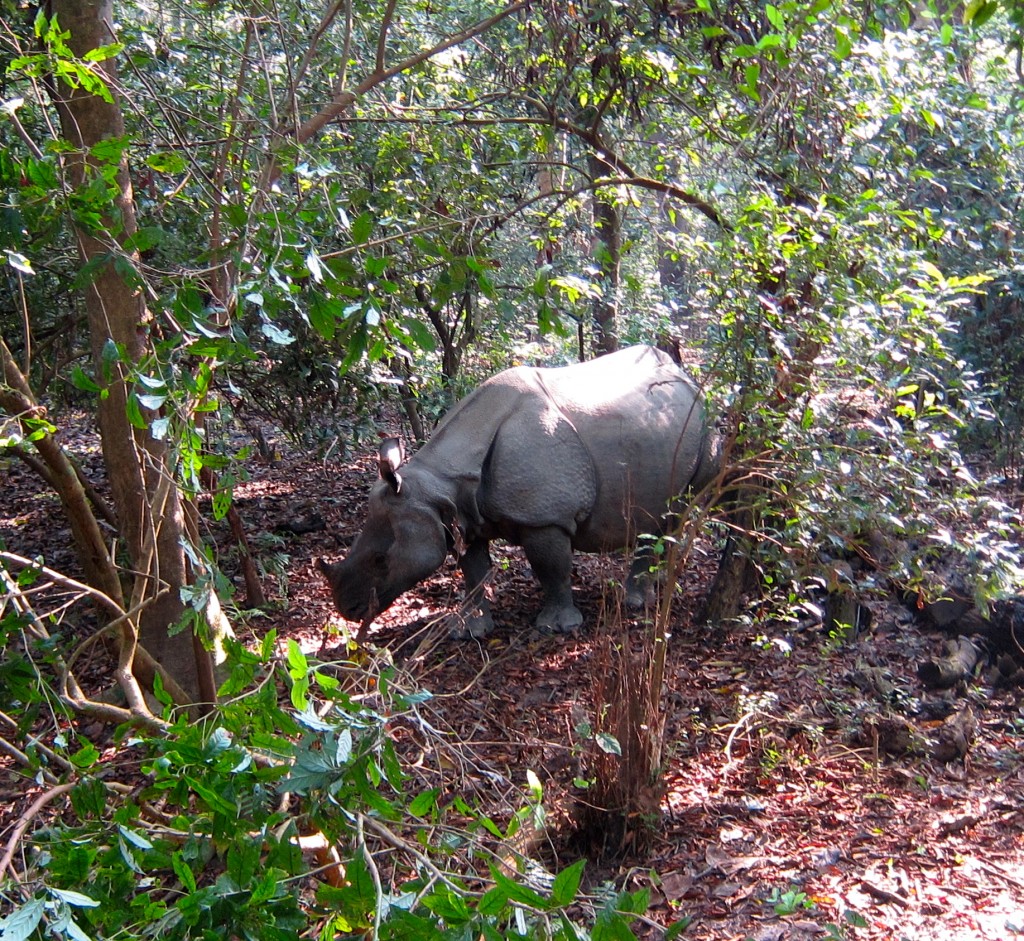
<point x="344" y="99"/>
<point x="382" y="38"/>
<point x="23" y="824"/>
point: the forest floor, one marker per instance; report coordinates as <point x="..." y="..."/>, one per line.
<point x="804" y="795"/>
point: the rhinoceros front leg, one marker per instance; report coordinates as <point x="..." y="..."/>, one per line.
<point x="474" y="619"/>
<point x="550" y="554"/>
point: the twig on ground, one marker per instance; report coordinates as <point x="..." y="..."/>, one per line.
<point x="24" y="821"/>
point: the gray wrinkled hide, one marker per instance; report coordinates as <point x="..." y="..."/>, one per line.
<point x="580" y="457"/>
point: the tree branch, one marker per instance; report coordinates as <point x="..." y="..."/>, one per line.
<point x="23" y="824"/>
<point x="344" y="99"/>
<point x="382" y="38"/>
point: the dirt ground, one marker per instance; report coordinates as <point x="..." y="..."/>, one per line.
<point x="804" y="780"/>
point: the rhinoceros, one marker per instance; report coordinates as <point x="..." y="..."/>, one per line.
<point x="586" y="456"/>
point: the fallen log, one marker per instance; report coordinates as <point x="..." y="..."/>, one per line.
<point x="943" y="672"/>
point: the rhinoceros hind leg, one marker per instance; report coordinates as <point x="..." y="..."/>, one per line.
<point x="549" y="551"/>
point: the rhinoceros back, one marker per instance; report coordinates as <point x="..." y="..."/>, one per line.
<point x="642" y="421"/>
<point x="598" y="448"/>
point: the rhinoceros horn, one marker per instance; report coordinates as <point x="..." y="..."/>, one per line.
<point x="390" y="457"/>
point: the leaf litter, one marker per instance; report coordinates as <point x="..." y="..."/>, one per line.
<point x="788" y="808"/>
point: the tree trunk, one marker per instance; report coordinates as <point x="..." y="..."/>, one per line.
<point x="146" y="497"/>
<point x="16" y="398"/>
<point x="608" y="257"/>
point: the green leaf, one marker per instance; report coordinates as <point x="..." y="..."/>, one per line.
<point x="492" y="903"/>
<point x="81" y="380"/>
<point x="420" y="334"/>
<point x="86" y="756"/>
<point x="221" y="502"/>
<point x="77" y="899"/>
<point x="608" y="743"/>
<point x="424" y="802"/>
<point x="362" y="226"/>
<point x="298" y="664"/>
<point x="324" y="314"/>
<point x="22" y="922"/>
<point x="534" y="785"/>
<point x="752" y="74"/>
<point x="567" y="884"/>
<point x="110" y="356"/>
<point x="145" y="238"/>
<point x="134" y="412"/>
<point x="444" y="903"/>
<point x="843" y="46"/>
<point x="183" y="871"/>
<point x="979" y="13"/>
<point x="518" y="893"/>
<point x="298" y="693"/>
<point x="678" y="927"/>
<point x="135" y="838"/>
<point x="167" y="162"/>
<point x="102" y="53"/>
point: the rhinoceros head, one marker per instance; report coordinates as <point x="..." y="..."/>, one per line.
<point x="402" y="542"/>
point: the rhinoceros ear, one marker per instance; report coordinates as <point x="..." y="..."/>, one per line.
<point x="390" y="456"/>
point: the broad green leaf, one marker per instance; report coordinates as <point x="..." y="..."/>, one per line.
<point x="567" y="884"/>
<point x="752" y="75"/>
<point x="979" y="12"/>
<point x="492" y="903"/>
<point x="135" y="838"/>
<point x="608" y="743"/>
<point x="102" y="53"/>
<point x="77" y="899"/>
<point x="420" y="334"/>
<point x="362" y="226"/>
<point x="21" y="924"/>
<point x="678" y="927"/>
<point x="81" y="380"/>
<point x="324" y="314"/>
<point x="843" y="45"/>
<point x="424" y="802"/>
<point x="134" y="412"/>
<point x="298" y="693"/>
<point x="515" y="892"/>
<point x="298" y="664"/>
<point x="183" y="871"/>
<point x="168" y="161"/>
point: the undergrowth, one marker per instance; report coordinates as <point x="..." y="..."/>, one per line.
<point x="288" y="812"/>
